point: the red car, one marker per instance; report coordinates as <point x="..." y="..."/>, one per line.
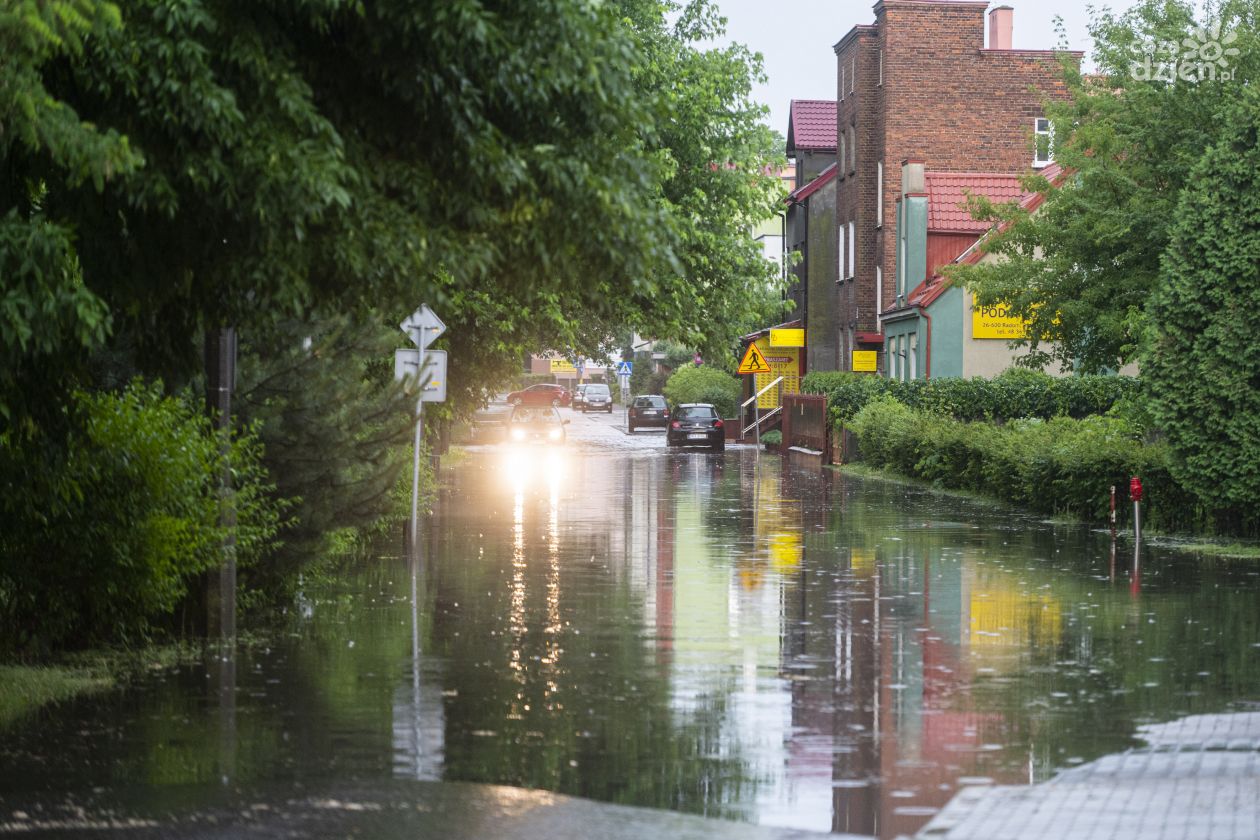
<point x="541" y="394"/>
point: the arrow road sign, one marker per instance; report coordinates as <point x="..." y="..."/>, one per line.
<point x="423" y="326"/>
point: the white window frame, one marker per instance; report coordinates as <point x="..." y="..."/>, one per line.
<point x="879" y="194"/>
<point x="879" y="293"/>
<point x="852" y="247"/>
<point x="840" y="256"/>
<point x="1048" y="133"/>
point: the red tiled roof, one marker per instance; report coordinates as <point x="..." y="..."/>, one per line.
<point x="933" y="287"/>
<point x="812" y="125"/>
<point x="947" y="198"/>
<point x="801" y="193"/>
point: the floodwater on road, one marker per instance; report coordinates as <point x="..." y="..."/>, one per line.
<point x="718" y="634"/>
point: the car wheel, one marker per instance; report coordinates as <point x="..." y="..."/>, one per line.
<point x="608" y="410"/>
<point x="516" y="401"/>
<point x="631" y="428"/>
<point x="555" y="403"/>
<point x="720" y="446"/>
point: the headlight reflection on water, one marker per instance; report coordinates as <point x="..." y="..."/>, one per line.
<point x="531" y="470"/>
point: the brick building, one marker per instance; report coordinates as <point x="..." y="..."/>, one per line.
<point x="921" y="83"/>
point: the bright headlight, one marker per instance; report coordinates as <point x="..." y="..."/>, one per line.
<point x="518" y="433"/>
<point x="554" y="434"/>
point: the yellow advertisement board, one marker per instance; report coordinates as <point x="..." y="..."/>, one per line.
<point x="782" y="361"/>
<point x="865" y="361"/>
<point x="787" y="338"/>
<point x="562" y="366"/>
<point x="995" y="322"/>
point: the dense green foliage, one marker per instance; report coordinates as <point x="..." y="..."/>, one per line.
<point x="1083" y="268"/>
<point x="1204" y="368"/>
<point x="106" y="538"/>
<point x="1013" y="394"/>
<point x="703" y="384"/>
<point x="1058" y="466"/>
<point x="335" y="434"/>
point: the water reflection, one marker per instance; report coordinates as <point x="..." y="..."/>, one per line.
<point x="708" y="633"/>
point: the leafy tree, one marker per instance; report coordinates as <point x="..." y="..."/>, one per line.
<point x="1083" y="268"/>
<point x="1204" y="363"/>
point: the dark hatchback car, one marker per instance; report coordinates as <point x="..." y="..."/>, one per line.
<point x="535" y="424"/>
<point x="696" y="424"/>
<point x="541" y="394"/>
<point x="596" y="397"/>
<point x="648" y="410"/>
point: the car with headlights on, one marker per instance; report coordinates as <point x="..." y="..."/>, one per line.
<point x="696" y="424"/>
<point x="535" y="424"/>
<point x="540" y="394"/>
<point x="596" y="397"/>
<point x="579" y="397"/>
<point x="648" y="410"/>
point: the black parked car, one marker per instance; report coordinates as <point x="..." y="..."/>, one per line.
<point x="648" y="410"/>
<point x="596" y="397"/>
<point x="696" y="424"/>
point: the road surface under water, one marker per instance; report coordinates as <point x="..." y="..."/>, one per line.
<point x="716" y="634"/>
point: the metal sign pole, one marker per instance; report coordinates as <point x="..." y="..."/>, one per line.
<point x="415" y="474"/>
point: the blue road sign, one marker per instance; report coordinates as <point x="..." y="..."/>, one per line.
<point x="625" y="368"/>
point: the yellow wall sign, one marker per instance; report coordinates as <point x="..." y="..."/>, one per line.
<point x="865" y="361"/>
<point x="754" y="361"/>
<point x="780" y="361"/>
<point x="562" y="366"/>
<point x="995" y="322"/>
<point x="787" y="338"/>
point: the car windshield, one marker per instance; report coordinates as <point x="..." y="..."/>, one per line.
<point x="535" y="415"/>
<point x="596" y="391"/>
<point x="649" y="402"/>
<point x="695" y="412"/>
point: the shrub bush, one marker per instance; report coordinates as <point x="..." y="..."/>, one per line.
<point x="1056" y="466"/>
<point x="691" y="384"/>
<point x="1014" y="394"/>
<point x="105" y="528"/>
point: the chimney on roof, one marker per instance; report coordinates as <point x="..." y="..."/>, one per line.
<point x="1001" y="25"/>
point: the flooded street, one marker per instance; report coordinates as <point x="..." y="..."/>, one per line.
<point x="715" y="634"/>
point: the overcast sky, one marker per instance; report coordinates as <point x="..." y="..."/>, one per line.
<point x="803" y="66"/>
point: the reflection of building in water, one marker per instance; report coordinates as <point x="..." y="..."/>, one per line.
<point x="884" y="645"/>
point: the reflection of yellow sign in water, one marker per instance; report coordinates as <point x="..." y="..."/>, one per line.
<point x="862" y="561"/>
<point x="1004" y="613"/>
<point x="782" y="361"/>
<point x="562" y="366"/>
<point x="785" y="551"/>
<point x="865" y="361"/>
<point x="995" y="322"/>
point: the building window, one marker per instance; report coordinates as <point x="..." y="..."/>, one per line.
<point x="890" y="357"/>
<point x="852" y="149"/>
<point x="1043" y="139"/>
<point x="881" y="68"/>
<point x="852" y="248"/>
<point x="852" y="73"/>
<point x="879" y="194"/>
<point x="840" y="256"/>
<point x="879" y="293"/>
<point x="841" y="157"/>
<point x="912" y="359"/>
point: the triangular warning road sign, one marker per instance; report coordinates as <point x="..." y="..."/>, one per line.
<point x="753" y="361"/>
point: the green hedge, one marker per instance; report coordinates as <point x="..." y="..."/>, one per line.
<point x="1014" y="394"/>
<point x="691" y="384"/>
<point x="1056" y="466"/>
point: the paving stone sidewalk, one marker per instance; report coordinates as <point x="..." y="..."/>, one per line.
<point x="1198" y="778"/>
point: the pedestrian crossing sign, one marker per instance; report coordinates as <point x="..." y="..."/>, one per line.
<point x="753" y="361"/>
<point x="625" y="368"/>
